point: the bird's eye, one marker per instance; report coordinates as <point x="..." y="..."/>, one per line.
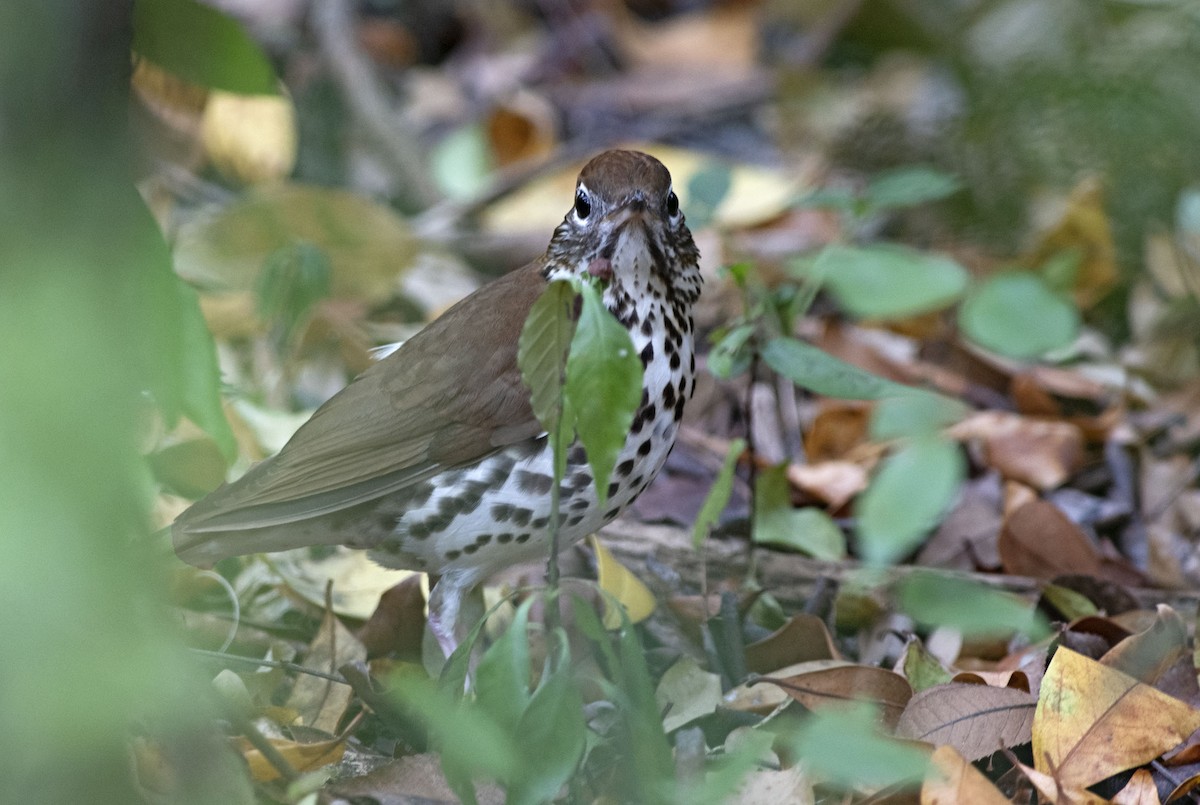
<point x="583" y="207"/>
<point x="672" y="204"/>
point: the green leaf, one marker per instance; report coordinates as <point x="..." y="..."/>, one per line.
<point x="200" y="376"/>
<point x="919" y="413"/>
<point x="908" y="496"/>
<point x="705" y="191"/>
<point x="201" y="45"/>
<point x="887" y="282"/>
<point x="718" y="494"/>
<point x="830" y="198"/>
<point x="778" y="523"/>
<point x="462" y="162"/>
<point x="466" y="737"/>
<point x="603" y="387"/>
<point x="818" y="371"/>
<point x="973" y="608"/>
<point x="542" y="355"/>
<point x="502" y="678"/>
<point x="907" y="187"/>
<point x="841" y="745"/>
<point x="730" y="355"/>
<point x="551" y="735"/>
<point x="1015" y="313"/>
<point x="294" y="279"/>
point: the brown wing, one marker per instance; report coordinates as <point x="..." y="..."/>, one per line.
<point x="448" y="397"/>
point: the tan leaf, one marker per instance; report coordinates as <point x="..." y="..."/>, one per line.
<point x="834" y="483"/>
<point x="1140" y="790"/>
<point x="1042" y="453"/>
<point x="1055" y="792"/>
<point x="976" y="720"/>
<point x="616" y="580"/>
<point x="319" y="701"/>
<point x="301" y="756"/>
<point x="954" y="781"/>
<point x="832" y="686"/>
<point x="1082" y="227"/>
<point x="1093" y="722"/>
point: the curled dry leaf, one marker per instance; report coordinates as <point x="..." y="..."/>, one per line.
<point x="804" y="637"/>
<point x="1081" y="226"/>
<point x="834" y="483"/>
<point x="976" y="720"/>
<point x="953" y="781"/>
<point x="1042" y="453"/>
<point x="1149" y="653"/>
<point x="753" y="697"/>
<point x="250" y="138"/>
<point x="1054" y="791"/>
<point x="1092" y="721"/>
<point x="321" y="702"/>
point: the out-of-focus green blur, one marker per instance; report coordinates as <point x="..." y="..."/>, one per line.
<point x="88" y="318"/>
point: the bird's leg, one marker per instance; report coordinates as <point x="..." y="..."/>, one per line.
<point x="446" y="622"/>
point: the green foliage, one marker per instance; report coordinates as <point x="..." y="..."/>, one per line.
<point x="909" y="494"/>
<point x="706" y="190"/>
<point x="462" y="161"/>
<point x="542" y="353"/>
<point x="201" y="45"/>
<point x="843" y="745"/>
<point x="718" y="495"/>
<point x="887" y="281"/>
<point x="595" y="390"/>
<point x="1016" y="313"/>
<point x="915" y="413"/>
<point x="294" y="279"/>
<point x="818" y="371"/>
<point x="972" y="607"/>
<point x="603" y="386"/>
<point x="909" y="187"/>
<point x="777" y="523"/>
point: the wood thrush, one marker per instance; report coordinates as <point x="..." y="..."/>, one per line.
<point x="433" y="460"/>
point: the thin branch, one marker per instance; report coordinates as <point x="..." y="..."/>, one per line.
<point x="368" y="99"/>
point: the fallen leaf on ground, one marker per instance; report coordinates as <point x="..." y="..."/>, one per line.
<point x="1093" y="722"/>
<point x="976" y="720"/>
<point x="953" y="781"/>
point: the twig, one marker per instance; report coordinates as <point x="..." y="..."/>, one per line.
<point x="333" y="25"/>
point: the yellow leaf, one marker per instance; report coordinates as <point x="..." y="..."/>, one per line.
<point x="626" y="588"/>
<point x="953" y="780"/>
<point x="1092" y="721"/>
<point x="250" y="138"/>
<point x="1083" y="228"/>
<point x="302" y="757"/>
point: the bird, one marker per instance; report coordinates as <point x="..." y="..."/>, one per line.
<point x="433" y="460"/>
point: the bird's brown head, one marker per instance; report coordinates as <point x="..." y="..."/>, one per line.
<point x="626" y="228"/>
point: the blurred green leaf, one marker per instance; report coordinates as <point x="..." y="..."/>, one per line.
<point x="542" y="354"/>
<point x="294" y="279"/>
<point x="706" y="190"/>
<point x="907" y="497"/>
<point x="462" y="162"/>
<point x="836" y="198"/>
<point x="199" y="374"/>
<point x="718" y="495"/>
<point x="818" y="371"/>
<point x="467" y="739"/>
<point x="502" y="678"/>
<point x="843" y="745"/>
<point x="887" y="281"/>
<point x="908" y="187"/>
<point x="551" y="736"/>
<point x="972" y="607"/>
<point x="201" y="45"/>
<point x="730" y="355"/>
<point x="604" y="385"/>
<point x="1015" y="313"/>
<point x="778" y="523"/>
<point x="919" y="413"/>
